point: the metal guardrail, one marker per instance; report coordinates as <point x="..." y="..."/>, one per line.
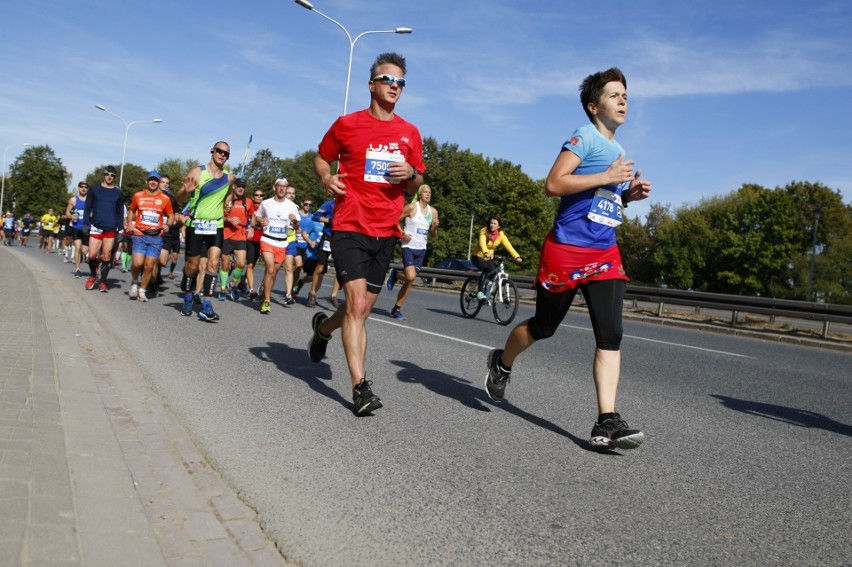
<point x="736" y="304"/>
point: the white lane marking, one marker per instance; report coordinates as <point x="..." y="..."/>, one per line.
<point x="562" y="325"/>
<point x="667" y="343"/>
<point x="431" y="333"/>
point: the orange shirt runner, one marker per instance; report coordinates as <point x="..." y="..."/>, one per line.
<point x="150" y="210"/>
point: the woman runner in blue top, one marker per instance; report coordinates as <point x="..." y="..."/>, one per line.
<point x="594" y="182"/>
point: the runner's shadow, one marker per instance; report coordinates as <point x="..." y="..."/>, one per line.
<point x="295" y="362"/>
<point x="472" y="396"/>
<point x="792" y="416"/>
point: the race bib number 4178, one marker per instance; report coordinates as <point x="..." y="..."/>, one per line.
<point x="376" y="166"/>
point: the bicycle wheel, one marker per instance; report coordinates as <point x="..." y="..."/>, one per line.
<point x="470" y="306"/>
<point x="504" y="302"/>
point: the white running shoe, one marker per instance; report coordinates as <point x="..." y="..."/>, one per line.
<point x="134" y="290"/>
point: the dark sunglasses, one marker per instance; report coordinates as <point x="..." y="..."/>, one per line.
<point x="222" y="152"/>
<point x="258" y="195"/>
<point x="109" y="175"/>
<point x="389" y="80"/>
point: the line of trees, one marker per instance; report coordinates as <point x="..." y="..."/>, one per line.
<point x="791" y="242"/>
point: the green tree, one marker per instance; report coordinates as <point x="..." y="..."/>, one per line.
<point x="638" y="243"/>
<point x="262" y="171"/>
<point x="176" y="169"/>
<point x="832" y="272"/>
<point x="38" y="181"/>
<point x="681" y="245"/>
<point x="465" y="185"/>
<point x="300" y="173"/>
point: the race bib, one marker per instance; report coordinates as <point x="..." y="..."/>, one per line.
<point x="276" y="230"/>
<point x="376" y="166"/>
<point x="151" y="218"/>
<point x="326" y="245"/>
<point x="423" y="231"/>
<point x="95" y="230"/>
<point x="606" y="208"/>
<point x="205" y="226"/>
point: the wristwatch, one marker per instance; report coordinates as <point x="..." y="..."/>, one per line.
<point x="413" y="175"/>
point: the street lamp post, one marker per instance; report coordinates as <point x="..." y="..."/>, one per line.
<point x="307" y="5"/>
<point x="3" y="190"/>
<point x="127" y="126"/>
<point x="817" y="213"/>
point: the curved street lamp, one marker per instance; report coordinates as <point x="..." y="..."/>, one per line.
<point x="127" y="126"/>
<point x="3" y="190"/>
<point x="307" y="5"/>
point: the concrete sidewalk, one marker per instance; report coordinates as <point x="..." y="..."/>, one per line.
<point x="94" y="469"/>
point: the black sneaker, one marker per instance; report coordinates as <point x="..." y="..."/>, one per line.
<point x="318" y="343"/>
<point x="288" y="300"/>
<point x="364" y="399"/>
<point x="497" y="379"/>
<point x="614" y="433"/>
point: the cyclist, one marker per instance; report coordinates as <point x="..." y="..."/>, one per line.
<point x="490" y="238"/>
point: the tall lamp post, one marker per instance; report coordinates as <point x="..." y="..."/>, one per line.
<point x="127" y="126"/>
<point x="3" y="190"/>
<point x="307" y="5"/>
<point x="817" y="213"/>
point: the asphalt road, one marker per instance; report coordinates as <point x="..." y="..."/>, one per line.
<point x="746" y="462"/>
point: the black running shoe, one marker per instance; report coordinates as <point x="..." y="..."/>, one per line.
<point x="614" y="433"/>
<point x="318" y="343"/>
<point x="363" y="397"/>
<point x="496" y="379"/>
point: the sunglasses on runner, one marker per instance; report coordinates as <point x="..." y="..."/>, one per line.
<point x="389" y="80"/>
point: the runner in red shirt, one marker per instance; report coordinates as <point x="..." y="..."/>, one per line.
<point x="380" y="158"/>
<point x="238" y="216"/>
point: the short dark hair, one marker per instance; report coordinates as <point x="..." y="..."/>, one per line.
<point x="387" y="59"/>
<point x="592" y="87"/>
<point x="164" y="176"/>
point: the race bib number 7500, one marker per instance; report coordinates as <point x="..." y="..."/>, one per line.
<point x="376" y="166"/>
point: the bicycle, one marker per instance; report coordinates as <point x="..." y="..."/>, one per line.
<point x="501" y="293"/>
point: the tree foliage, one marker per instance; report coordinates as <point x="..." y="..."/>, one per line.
<point x="753" y="241"/>
<point x="38" y="181"/>
<point x="467" y="185"/>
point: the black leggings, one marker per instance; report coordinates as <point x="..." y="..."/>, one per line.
<point x="487" y="267"/>
<point x="605" y="300"/>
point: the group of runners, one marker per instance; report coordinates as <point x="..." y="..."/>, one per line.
<point x="379" y="159"/>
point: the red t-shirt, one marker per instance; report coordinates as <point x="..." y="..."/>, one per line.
<point x="242" y="211"/>
<point x="365" y="146"/>
<point x="149" y="210"/>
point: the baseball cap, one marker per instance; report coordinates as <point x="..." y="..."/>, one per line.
<point x="109" y="169"/>
<point x="155" y="174"/>
<point x="239" y="182"/>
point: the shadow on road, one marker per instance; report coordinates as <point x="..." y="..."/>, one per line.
<point x="295" y="362"/>
<point x="472" y="396"/>
<point x="792" y="416"/>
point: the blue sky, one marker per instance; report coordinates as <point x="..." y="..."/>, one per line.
<point x="721" y="93"/>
